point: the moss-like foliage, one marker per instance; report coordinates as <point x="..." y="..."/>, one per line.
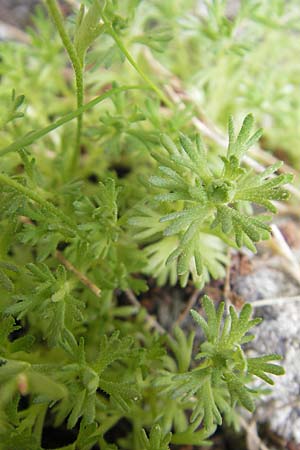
<point x="104" y="185"/>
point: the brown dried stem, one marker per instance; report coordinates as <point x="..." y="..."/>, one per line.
<point x="190" y="304"/>
<point x="150" y="319"/>
<point x="81" y="277"/>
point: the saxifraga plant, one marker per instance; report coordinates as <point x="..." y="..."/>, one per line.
<point x="71" y="355"/>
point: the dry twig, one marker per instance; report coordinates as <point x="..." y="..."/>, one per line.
<point x="252" y="437"/>
<point x="81" y="277"/>
<point x="282" y="247"/>
<point x="191" y="302"/>
<point x="274" y="301"/>
<point x="150" y="319"/>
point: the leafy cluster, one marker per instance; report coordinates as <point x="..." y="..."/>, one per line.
<point x="114" y="382"/>
<point x="219" y="383"/>
<point x="209" y="203"/>
<point x="220" y="380"/>
<point x="100" y="201"/>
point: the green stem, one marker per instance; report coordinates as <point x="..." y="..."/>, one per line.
<point x="78" y="69"/>
<point x="33" y="195"/>
<point x="39" y="423"/>
<point x="28" y="139"/>
<point x="132" y="61"/>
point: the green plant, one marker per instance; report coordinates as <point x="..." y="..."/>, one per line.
<point x="86" y="215"/>
<point x="210" y="201"/>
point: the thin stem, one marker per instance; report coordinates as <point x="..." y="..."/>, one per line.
<point x="190" y="304"/>
<point x="78" y="69"/>
<point x="4" y="179"/>
<point x="83" y="278"/>
<point x="252" y="434"/>
<point x="284" y="249"/>
<point x="150" y="319"/>
<point x="28" y="139"/>
<point x="134" y="64"/>
<point x="274" y="301"/>
<point x="39" y="423"/>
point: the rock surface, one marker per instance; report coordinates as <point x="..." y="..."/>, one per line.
<point x="278" y="333"/>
